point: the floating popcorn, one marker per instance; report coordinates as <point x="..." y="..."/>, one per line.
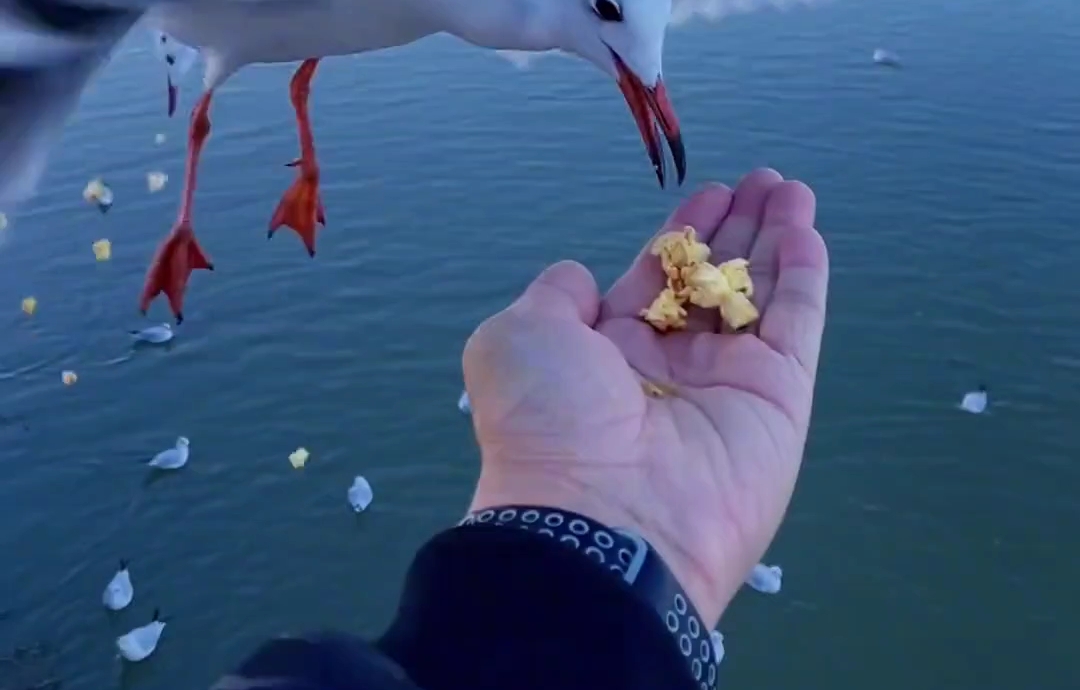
<point x="29" y="305"/>
<point x="159" y="138"/>
<point x="299" y="457"/>
<point x="155" y="181"/>
<point x="99" y="194"/>
<point x="102" y="250"/>
<point x="68" y="377"/>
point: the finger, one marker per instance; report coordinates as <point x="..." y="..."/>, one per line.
<point x="566" y="290"/>
<point x="791" y="204"/>
<point x="736" y="234"/>
<point x="743" y="221"/>
<point x="794" y="318"/>
<point x="640" y="285"/>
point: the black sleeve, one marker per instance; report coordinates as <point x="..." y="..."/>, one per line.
<point x="490" y="608"/>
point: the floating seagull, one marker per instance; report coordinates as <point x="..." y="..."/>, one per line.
<point x="717" y="638"/>
<point x="154" y="334"/>
<point x="885" y="58"/>
<point x="141" y="642"/>
<point x="976" y="401"/>
<point x="360" y="494"/>
<point x="464" y="404"/>
<point x="173" y="458"/>
<point x="765" y="578"/>
<point x="50" y="56"/>
<point x="119" y="592"/>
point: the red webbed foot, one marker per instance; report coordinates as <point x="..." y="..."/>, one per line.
<point x="176" y="257"/>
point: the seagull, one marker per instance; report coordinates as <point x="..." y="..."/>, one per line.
<point x="119" y="592"/>
<point x="52" y="49"/>
<point x="765" y="578"/>
<point x="976" y="401"/>
<point x="173" y="458"/>
<point x="155" y="335"/>
<point x="360" y="494"/>
<point x="141" y="642"/>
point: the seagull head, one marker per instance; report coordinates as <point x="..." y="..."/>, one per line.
<point x="625" y="39"/>
<point x="182" y="442"/>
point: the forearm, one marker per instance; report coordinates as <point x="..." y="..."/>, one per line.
<point x="491" y="607"/>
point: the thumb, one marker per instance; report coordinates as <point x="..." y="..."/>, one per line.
<point x="566" y="290"/>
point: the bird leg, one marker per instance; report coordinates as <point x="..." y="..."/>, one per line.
<point x="301" y="207"/>
<point x="179" y="253"/>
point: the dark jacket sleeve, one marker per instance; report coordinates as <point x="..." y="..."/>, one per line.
<point x="489" y="608"/>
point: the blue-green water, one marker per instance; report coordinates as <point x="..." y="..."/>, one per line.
<point x="924" y="549"/>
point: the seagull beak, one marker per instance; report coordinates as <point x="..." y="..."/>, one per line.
<point x="654" y="114"/>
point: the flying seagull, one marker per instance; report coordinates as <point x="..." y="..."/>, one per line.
<point x="49" y="50"/>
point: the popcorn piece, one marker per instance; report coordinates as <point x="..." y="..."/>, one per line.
<point x="679" y="249"/>
<point x="299" y="457"/>
<point x="708" y="286"/>
<point x="155" y="181"/>
<point x="737" y="272"/>
<point x="657" y="390"/>
<point x="666" y="312"/>
<point x="68" y="377"/>
<point x="99" y="194"/>
<point x="29" y="305"/>
<point x="159" y="139"/>
<point x="102" y="250"/>
<point x="692" y="279"/>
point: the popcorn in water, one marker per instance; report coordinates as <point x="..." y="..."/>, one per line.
<point x="102" y="250"/>
<point x="159" y="138"/>
<point x="98" y="194"/>
<point x="155" y="181"/>
<point x="29" y="305"/>
<point x="299" y="457"/>
<point x="68" y="377"/>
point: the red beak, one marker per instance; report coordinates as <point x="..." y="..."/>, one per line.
<point x="654" y="114"/>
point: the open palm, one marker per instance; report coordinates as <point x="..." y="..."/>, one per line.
<point x="705" y="473"/>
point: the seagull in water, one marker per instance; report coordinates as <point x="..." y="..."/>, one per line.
<point x="155" y="335"/>
<point x="50" y="48"/>
<point x="173" y="458"/>
<point x="119" y="592"/>
<point x="141" y="642"/>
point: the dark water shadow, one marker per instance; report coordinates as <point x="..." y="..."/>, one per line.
<point x="30" y="667"/>
<point x="154" y="476"/>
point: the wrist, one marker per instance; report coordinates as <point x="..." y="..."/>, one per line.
<point x="517" y="485"/>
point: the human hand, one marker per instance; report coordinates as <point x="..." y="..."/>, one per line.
<point x="705" y="474"/>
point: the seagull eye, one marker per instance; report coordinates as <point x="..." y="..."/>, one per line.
<point x="608" y="10"/>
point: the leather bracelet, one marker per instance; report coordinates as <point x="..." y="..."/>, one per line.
<point x="628" y="557"/>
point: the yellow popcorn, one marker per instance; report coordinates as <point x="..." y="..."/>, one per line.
<point x="666" y="311"/>
<point x="657" y="390"/>
<point x="29" y="305"/>
<point x="299" y="457"/>
<point x="98" y="194"/>
<point x="155" y="181"/>
<point x="102" y="250"/>
<point x="691" y="279"/>
<point x="68" y="377"/>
